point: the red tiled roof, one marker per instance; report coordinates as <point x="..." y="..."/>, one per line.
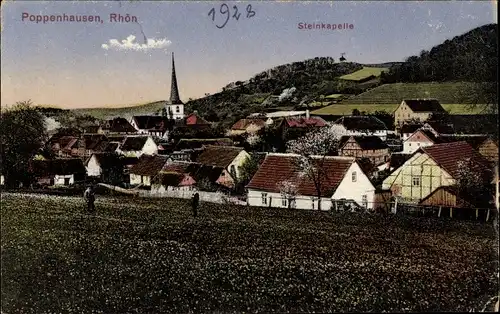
<point x="242" y="124"/>
<point x="447" y="155"/>
<point x="473" y="140"/>
<point x="149" y="165"/>
<point x="193" y="119"/>
<point x="299" y="122"/>
<point x="284" y="167"/>
<point x="218" y="156"/>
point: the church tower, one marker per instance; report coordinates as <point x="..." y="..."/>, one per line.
<point x="174" y="106"/>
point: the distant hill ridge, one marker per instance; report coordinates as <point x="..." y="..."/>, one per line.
<point x="445" y="72"/>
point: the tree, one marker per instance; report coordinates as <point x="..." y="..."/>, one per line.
<point x="312" y="150"/>
<point x="473" y="182"/>
<point x="288" y="191"/>
<point x="355" y="112"/>
<point x="248" y="169"/>
<point x="23" y="133"/>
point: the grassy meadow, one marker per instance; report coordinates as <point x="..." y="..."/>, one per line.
<point x="347" y="108"/>
<point x="445" y="92"/>
<point x="149" y="255"/>
<point x="364" y="73"/>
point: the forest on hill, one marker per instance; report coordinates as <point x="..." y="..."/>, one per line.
<point x="471" y="57"/>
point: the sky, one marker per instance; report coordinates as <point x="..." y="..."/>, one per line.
<point x="100" y="64"/>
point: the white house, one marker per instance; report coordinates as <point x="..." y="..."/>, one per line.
<point x="100" y="162"/>
<point x="420" y="138"/>
<point x="146" y="169"/>
<point x="363" y="125"/>
<point x="135" y="146"/>
<point x="280" y="183"/>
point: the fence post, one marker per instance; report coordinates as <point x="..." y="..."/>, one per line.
<point x="477" y="213"/>
<point x="439" y="212"/>
<point x="488" y="215"/>
<point x="451" y="212"/>
<point x="394" y="211"/>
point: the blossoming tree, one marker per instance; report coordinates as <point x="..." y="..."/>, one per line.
<point x="312" y="149"/>
<point x="288" y="190"/>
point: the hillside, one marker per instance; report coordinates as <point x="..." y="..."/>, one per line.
<point x="444" y="72"/>
<point x="456" y="97"/>
<point x="472" y="57"/>
<point x="126" y="112"/>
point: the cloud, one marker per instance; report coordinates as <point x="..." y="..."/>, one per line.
<point x="131" y="44"/>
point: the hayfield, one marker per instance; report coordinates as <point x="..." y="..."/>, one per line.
<point x="347" y="108"/>
<point x="149" y="255"/>
<point x="364" y="73"/>
<point x="445" y="92"/>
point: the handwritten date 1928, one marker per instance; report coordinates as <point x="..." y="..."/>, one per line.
<point x="226" y="13"/>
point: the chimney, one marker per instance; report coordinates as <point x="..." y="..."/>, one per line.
<point x="307" y="113"/>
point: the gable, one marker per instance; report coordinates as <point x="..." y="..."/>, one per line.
<point x="350" y="144"/>
<point x="420" y="136"/>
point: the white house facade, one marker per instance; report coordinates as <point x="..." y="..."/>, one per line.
<point x="64" y="179"/>
<point x="357" y="187"/>
<point x="93" y="167"/>
<point x="265" y="189"/>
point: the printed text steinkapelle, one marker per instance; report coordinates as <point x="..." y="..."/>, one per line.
<point x="325" y="26"/>
<point x="77" y="18"/>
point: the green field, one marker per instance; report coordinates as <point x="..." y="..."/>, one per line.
<point x="335" y="96"/>
<point x="446" y="93"/>
<point x="347" y="108"/>
<point x="149" y="255"/>
<point x="364" y="73"/>
<point x="126" y="112"/>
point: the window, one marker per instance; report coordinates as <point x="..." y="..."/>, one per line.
<point x="354" y="176"/>
<point x="364" y="200"/>
<point x="283" y="201"/>
<point x="66" y="181"/>
<point x="415" y="181"/>
<point x="312" y="206"/>
<point x="418" y="144"/>
<point x="264" y="198"/>
<point x="409" y="144"/>
<point x="177" y="109"/>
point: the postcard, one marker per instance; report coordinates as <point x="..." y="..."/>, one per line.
<point x="249" y="156"/>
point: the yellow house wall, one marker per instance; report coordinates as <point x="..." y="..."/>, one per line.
<point x="421" y="166"/>
<point x="402" y="112"/>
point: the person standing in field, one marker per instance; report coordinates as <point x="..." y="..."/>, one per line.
<point x="89" y="196"/>
<point x="195" y="203"/>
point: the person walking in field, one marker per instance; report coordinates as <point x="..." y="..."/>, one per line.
<point x="89" y="196"/>
<point x="195" y="203"/>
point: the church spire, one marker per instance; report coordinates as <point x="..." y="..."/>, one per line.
<point x="174" y="90"/>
